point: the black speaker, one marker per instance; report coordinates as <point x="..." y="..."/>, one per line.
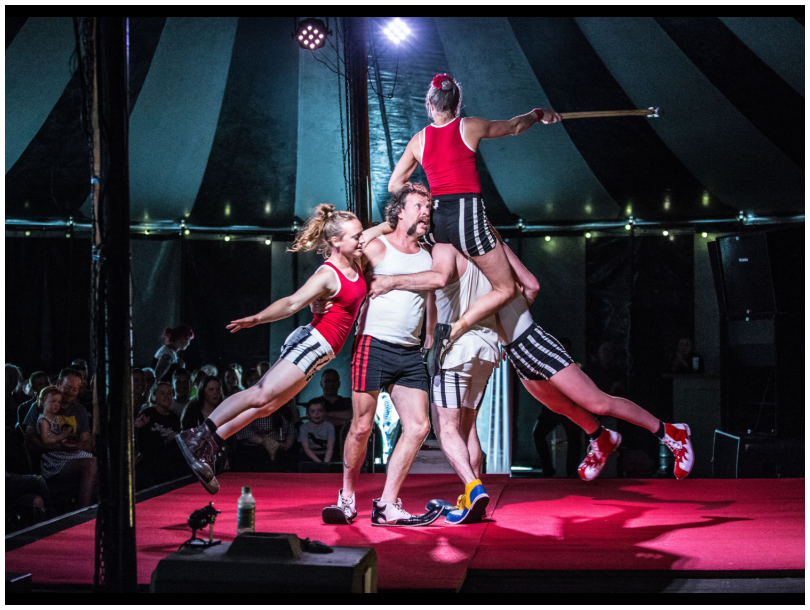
<point x="757" y="457"/>
<point x="759" y="280"/>
<point x="268" y="563"/>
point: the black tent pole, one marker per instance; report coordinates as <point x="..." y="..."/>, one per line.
<point x="356" y="35"/>
<point x="116" y="557"/>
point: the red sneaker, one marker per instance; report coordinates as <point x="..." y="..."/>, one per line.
<point x="598" y="452"/>
<point x="676" y="437"/>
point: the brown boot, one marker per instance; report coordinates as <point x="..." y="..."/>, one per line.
<point x="198" y="448"/>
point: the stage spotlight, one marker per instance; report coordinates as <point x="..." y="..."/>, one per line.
<point x="666" y="233"/>
<point x="227" y="238"/>
<point x="704" y="234"/>
<point x="548" y="238"/>
<point x="627" y="227"/>
<point x="267" y="242"/>
<point x="587" y="235"/>
<point x="311" y="34"/>
<point x="397" y="31"/>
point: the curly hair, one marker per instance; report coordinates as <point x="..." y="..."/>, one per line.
<point x="398" y="200"/>
<point x="324" y="224"/>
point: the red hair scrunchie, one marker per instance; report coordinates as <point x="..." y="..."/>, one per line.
<point x="439" y="79"/>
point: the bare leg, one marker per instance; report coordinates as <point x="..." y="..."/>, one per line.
<point x="469" y="432"/>
<point x="87" y="471"/>
<point x="495" y="266"/>
<point x="283" y="381"/>
<point x="558" y="402"/>
<point x="448" y="423"/>
<point x="412" y="406"/>
<point x="575" y="384"/>
<point x="364" y="405"/>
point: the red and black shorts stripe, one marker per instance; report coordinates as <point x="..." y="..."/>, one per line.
<point x="376" y="365"/>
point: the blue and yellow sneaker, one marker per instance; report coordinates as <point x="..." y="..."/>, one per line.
<point x="471" y="507"/>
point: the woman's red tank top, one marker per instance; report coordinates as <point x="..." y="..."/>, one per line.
<point x="448" y="162"/>
<point x="336" y="324"/>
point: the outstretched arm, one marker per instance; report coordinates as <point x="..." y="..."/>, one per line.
<point x="477" y="129"/>
<point x="322" y="283"/>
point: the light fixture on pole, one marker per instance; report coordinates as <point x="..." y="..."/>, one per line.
<point x="311" y="33"/>
<point x="397" y="31"/>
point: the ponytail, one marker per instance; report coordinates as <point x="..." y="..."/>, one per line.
<point x="324" y="224"/>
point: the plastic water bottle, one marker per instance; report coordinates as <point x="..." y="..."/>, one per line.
<point x="246" y="512"/>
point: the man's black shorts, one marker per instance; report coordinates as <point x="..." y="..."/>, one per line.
<point x="377" y="365"/>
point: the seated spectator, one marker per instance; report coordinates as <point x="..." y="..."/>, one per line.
<point x="200" y="407"/>
<point x="14" y="394"/>
<point x="263" y="367"/>
<point x="28" y="495"/>
<point x="149" y="377"/>
<point x="138" y="390"/>
<point x="317" y="436"/>
<point x="166" y="358"/>
<point x="605" y="372"/>
<point x="197" y="376"/>
<point x="181" y="385"/>
<point x="61" y="432"/>
<point x="156" y="426"/>
<point x="232" y="380"/>
<point x="36" y="382"/>
<point x="85" y="395"/>
<point x="265" y="444"/>
<point x="338" y="408"/>
<point x="251" y="378"/>
<point x="685" y="360"/>
<point x="210" y="370"/>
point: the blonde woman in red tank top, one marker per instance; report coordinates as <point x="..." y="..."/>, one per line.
<point x="340" y="237"/>
<point x="446" y="149"/>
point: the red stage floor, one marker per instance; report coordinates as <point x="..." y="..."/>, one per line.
<point x="551" y="524"/>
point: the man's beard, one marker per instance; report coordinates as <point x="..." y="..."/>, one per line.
<point x="412" y="229"/>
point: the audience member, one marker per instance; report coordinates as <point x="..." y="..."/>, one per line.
<point x="166" y="358"/>
<point x="85" y="395"/>
<point x="28" y="494"/>
<point x="263" y="367"/>
<point x="160" y="458"/>
<point x="197" y="376"/>
<point x="251" y="378"/>
<point x="265" y="444"/>
<point x="138" y="390"/>
<point x="200" y="407"/>
<point x="210" y="370"/>
<point x="149" y="377"/>
<point x="36" y="382"/>
<point x="605" y="373"/>
<point x="547" y="420"/>
<point x="14" y="393"/>
<point x="61" y="432"/>
<point x="338" y="408"/>
<point x="203" y="404"/>
<point x="181" y="385"/>
<point x="317" y="436"/>
<point x="232" y="380"/>
<point x="685" y="360"/>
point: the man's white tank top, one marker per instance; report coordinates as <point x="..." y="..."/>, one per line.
<point x="481" y="340"/>
<point x="515" y="318"/>
<point x="396" y="317"/>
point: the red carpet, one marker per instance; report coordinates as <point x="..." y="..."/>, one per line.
<point x="534" y="524"/>
<point x="621" y="524"/>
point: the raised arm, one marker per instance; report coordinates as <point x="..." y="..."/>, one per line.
<point x="323" y="283"/>
<point x="374" y="232"/>
<point x="406" y="165"/>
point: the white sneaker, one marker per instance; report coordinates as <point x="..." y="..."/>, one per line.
<point x="347" y="506"/>
<point x="394" y="515"/>
<point x="342" y="513"/>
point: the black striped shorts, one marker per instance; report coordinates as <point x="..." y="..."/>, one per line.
<point x="461" y="386"/>
<point x="536" y="355"/>
<point x="306" y="348"/>
<point x="461" y="220"/>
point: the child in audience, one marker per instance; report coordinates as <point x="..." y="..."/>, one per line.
<point x="317" y="436"/>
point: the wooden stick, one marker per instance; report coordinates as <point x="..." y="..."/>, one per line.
<point x="604" y="113"/>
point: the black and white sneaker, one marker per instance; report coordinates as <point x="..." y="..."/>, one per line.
<point x="392" y="515"/>
<point x="343" y="513"/>
<point x="434" y="356"/>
